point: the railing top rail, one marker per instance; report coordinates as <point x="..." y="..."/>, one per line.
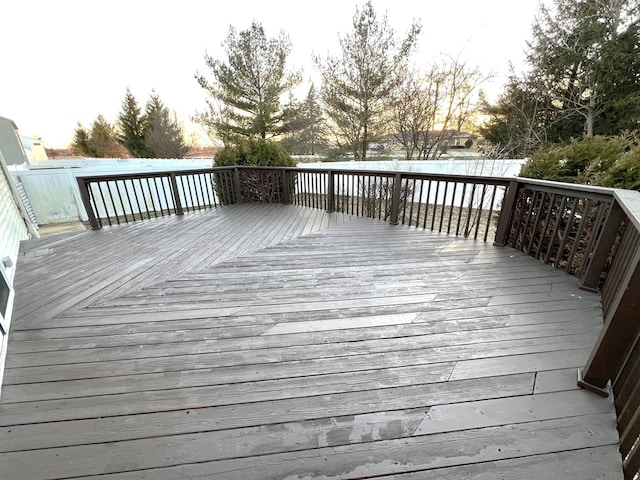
<point x="629" y="200"/>
<point x="417" y="175"/>
<point x="571" y="187"/>
<point x="154" y="173"/>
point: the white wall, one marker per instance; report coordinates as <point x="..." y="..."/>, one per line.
<point x="482" y="167"/>
<point x="53" y="191"/>
<point x="12" y="231"/>
<point x="12" y="226"/>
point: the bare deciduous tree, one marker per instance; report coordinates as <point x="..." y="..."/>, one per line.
<point x="430" y="107"/>
<point x="358" y="85"/>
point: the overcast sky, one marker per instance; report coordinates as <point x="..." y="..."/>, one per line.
<point x="65" y="61"/>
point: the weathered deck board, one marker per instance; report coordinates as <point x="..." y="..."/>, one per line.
<point x="267" y="341"/>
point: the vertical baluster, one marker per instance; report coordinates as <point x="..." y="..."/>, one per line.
<point x="113" y="204"/>
<point x="413" y="191"/>
<point x="444" y="203"/>
<point x="338" y="192"/>
<point x="566" y="233"/>
<point x="311" y="199"/>
<point x="451" y="206"/>
<point x="479" y="211"/>
<point x="593" y="235"/>
<point x="314" y="187"/>
<point x="124" y="210"/>
<point x="426" y="210"/>
<point x="184" y="195"/>
<point x="461" y="209"/>
<point x="135" y="196"/>
<point x="207" y="179"/>
<point x="144" y="198"/>
<point x="381" y="189"/>
<point x="490" y="213"/>
<point x="104" y="205"/>
<point x="370" y="206"/>
<point x="419" y="202"/>
<point x="310" y="180"/>
<point x="405" y="199"/>
<point x="355" y="186"/>
<point x="361" y="188"/>
<point x="91" y="205"/>
<point x="198" y="193"/>
<point x="345" y="192"/>
<point x="153" y="203"/>
<point x="552" y="240"/>
<point x="470" y="210"/>
<point x="388" y="192"/>
<point x="537" y="203"/>
<point x="155" y="188"/>
<point x="435" y="205"/>
<point x="545" y="225"/>
<point x="352" y="192"/>
<point x="193" y="196"/>
<point x="206" y="202"/>
<point x="576" y="240"/>
<point x="527" y="222"/>
<point x="521" y="201"/>
<point x="165" y="196"/>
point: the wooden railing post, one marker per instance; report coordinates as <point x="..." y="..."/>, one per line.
<point x="395" y="199"/>
<point x="621" y="328"/>
<point x="236" y="185"/>
<point x="330" y="194"/>
<point x="603" y="248"/>
<point x="83" y="185"/>
<point x="176" y="194"/>
<point x="286" y="193"/>
<point x="506" y="213"/>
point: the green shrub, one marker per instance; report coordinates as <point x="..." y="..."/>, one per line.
<point x="255" y="186"/>
<point x="625" y="173"/>
<point x="254" y="152"/>
<point x="589" y="160"/>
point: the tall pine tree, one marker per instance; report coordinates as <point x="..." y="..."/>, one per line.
<point x="584" y="76"/>
<point x="357" y="86"/>
<point x="246" y="87"/>
<point x="131" y="126"/>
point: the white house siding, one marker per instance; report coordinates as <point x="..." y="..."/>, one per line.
<point x="12" y="226"/>
<point x="12" y="230"/>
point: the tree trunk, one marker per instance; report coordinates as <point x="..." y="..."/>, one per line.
<point x="591" y="115"/>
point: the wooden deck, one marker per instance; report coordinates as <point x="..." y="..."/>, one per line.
<point x="273" y="342"/>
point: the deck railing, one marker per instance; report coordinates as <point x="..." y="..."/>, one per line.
<point x="589" y="232"/>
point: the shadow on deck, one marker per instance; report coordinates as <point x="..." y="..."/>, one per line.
<point x="273" y="341"/>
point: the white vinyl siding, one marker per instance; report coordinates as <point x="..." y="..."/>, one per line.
<point x="12" y="230"/>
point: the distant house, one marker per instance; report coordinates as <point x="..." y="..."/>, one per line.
<point x="454" y="139"/>
<point x="34" y="149"/>
<point x="202" y="152"/>
<point x="11" y="144"/>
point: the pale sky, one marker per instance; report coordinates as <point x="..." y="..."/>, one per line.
<point x="65" y="61"/>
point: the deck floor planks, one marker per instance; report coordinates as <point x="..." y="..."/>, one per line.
<point x="146" y="371"/>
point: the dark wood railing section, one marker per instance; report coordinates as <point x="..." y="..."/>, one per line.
<point x="589" y="232"/>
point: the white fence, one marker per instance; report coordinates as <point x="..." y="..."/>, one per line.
<point x="53" y="191"/>
<point x="54" y="196"/>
